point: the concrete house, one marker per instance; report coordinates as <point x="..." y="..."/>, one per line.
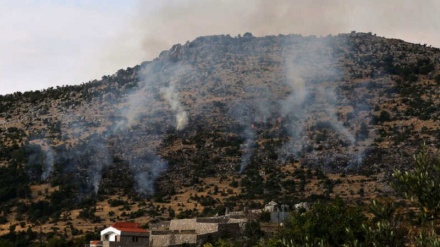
<point x="278" y="213"/>
<point x="123" y="234"/>
<point x="271" y="207"/>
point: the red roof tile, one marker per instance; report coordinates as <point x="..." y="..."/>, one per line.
<point x="129" y="227"/>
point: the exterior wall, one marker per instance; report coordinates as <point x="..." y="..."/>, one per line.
<point x="279" y="217"/>
<point x="127" y="240"/>
<point x="183" y="224"/>
<point x="127" y="243"/>
<point x="112" y="234"/>
<point x="195" y="231"/>
<point x="106" y="244"/>
<point x="163" y="225"/>
<point x="192" y="224"/>
<point x="172" y="239"/>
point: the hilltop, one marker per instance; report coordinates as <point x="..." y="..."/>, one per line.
<point x="219" y="122"/>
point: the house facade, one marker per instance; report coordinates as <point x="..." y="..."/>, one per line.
<point x="123" y="234"/>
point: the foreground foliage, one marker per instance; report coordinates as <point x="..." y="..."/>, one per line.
<point x="384" y="222"/>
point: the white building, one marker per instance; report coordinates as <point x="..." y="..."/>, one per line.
<point x="124" y="234"/>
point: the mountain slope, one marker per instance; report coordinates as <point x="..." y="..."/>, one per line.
<point x="251" y="115"/>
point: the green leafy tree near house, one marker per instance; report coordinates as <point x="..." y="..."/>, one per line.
<point x="325" y="223"/>
<point x="421" y="185"/>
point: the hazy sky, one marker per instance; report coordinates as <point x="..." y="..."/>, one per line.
<point x="47" y="43"/>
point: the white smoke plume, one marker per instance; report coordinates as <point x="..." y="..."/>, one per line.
<point x="100" y="158"/>
<point x="247" y="148"/>
<point x="145" y="172"/>
<point x="293" y="107"/>
<point x="49" y="160"/>
<point x="170" y="94"/>
<point x="40" y="152"/>
<point x="330" y="97"/>
<point x="313" y="76"/>
<point x="157" y="89"/>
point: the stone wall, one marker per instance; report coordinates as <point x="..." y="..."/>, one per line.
<point x="163" y="225"/>
<point x="192" y="224"/>
<point x="195" y="231"/>
<point x="172" y="239"/>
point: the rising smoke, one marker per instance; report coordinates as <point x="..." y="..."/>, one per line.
<point x="172" y="97"/>
<point x="312" y="77"/>
<point x="244" y="115"/>
<point x="41" y="158"/>
<point x="100" y="158"/>
<point x="159" y="85"/>
<point x="49" y="160"/>
<point x="158" y="25"/>
<point x="293" y="108"/>
<point x="146" y="169"/>
<point x="158" y="88"/>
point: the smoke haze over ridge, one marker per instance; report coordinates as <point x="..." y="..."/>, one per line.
<point x="85" y="41"/>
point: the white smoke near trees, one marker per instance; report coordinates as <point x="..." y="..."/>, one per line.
<point x="244" y="115"/>
<point x="155" y="96"/>
<point x="306" y="112"/>
<point x="41" y="153"/>
<point x="247" y="147"/>
<point x="157" y="91"/>
<point x="153" y="84"/>
<point x="309" y="111"/>
<point x="145" y="171"/>
<point x="100" y="158"/>
<point x="49" y="160"/>
<point x="172" y="97"/>
<point x="330" y="97"/>
<point x="292" y="108"/>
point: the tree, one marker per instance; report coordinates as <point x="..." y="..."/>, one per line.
<point x="332" y="224"/>
<point x="421" y="185"/>
<point x="252" y="233"/>
<point x="384" y="116"/>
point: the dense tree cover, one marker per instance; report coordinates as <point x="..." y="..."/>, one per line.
<point x="13" y="182"/>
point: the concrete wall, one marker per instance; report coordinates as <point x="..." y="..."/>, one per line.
<point x="279" y="217"/>
<point x="127" y="241"/>
<point x="124" y="244"/>
<point x="111" y="236"/>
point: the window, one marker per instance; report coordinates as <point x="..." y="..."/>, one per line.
<point x="135" y="239"/>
